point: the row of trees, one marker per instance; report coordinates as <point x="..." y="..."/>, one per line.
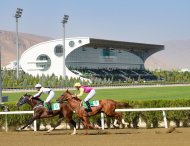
<point x="173" y="76"/>
<point x="9" y="80"/>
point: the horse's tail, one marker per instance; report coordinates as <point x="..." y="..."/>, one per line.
<point x="123" y="105"/>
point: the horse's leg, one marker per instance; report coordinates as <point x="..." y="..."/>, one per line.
<point x="29" y="122"/>
<point x="98" y="124"/>
<point x="73" y="123"/>
<point x="68" y="113"/>
<point x="57" y="124"/>
<point x="87" y="125"/>
<point x="119" y="117"/>
<point x="115" y="123"/>
<point x="123" y="122"/>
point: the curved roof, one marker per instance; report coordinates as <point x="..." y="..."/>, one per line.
<point x="128" y="46"/>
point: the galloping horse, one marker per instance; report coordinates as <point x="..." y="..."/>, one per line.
<point x="107" y="106"/>
<point x="41" y="112"/>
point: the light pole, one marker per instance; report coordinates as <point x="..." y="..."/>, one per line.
<point x="0" y="78"/>
<point x="17" y="15"/>
<point x="64" y="21"/>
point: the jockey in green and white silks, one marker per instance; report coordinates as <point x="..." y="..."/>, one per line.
<point x="48" y="91"/>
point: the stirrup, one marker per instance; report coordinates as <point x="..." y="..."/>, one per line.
<point x="88" y="110"/>
<point x="88" y="113"/>
<point x="50" y="112"/>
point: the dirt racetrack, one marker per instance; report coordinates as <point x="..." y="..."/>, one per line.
<point x="111" y="137"/>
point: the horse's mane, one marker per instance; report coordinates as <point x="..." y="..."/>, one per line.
<point x="38" y="99"/>
<point x="74" y="97"/>
<point x="26" y="94"/>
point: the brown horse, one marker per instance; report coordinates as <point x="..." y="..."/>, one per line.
<point x="107" y="106"/>
<point x="41" y="112"/>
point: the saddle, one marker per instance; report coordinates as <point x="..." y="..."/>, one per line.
<point x="92" y="103"/>
<point x="54" y="106"/>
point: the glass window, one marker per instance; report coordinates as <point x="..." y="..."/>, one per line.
<point x="58" y="50"/>
<point x="43" y="62"/>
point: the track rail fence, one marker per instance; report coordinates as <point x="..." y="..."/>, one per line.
<point x="18" y="113"/>
<point x="102" y="114"/>
<point x="148" y="109"/>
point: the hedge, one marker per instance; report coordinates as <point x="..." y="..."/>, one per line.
<point x="152" y="118"/>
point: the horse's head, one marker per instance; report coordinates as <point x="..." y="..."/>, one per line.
<point x="64" y="97"/>
<point x="23" y="99"/>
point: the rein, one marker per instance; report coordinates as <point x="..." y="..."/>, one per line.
<point x="38" y="105"/>
<point x="64" y="100"/>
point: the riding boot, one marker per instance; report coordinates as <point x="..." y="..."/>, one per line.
<point x="49" y="108"/>
<point x="88" y="106"/>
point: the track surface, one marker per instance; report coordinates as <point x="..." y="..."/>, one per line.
<point x="111" y="137"/>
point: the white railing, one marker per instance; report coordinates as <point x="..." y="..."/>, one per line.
<point x="18" y="113"/>
<point x="148" y="109"/>
<point x="102" y="114"/>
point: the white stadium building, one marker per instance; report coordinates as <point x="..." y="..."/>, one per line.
<point x="84" y="56"/>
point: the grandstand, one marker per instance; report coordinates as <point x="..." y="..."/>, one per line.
<point x="90" y="58"/>
<point x="115" y="74"/>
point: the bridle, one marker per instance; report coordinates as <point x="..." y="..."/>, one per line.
<point x="26" y="98"/>
<point x="63" y="99"/>
<point x="23" y="100"/>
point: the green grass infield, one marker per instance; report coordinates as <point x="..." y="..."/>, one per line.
<point x="123" y="94"/>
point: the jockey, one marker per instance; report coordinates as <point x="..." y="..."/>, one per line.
<point x="48" y="91"/>
<point x="91" y="92"/>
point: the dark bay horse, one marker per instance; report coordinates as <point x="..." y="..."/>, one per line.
<point x="107" y="106"/>
<point x="41" y="112"/>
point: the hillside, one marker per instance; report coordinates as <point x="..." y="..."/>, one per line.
<point x="175" y="55"/>
<point x="8" y="44"/>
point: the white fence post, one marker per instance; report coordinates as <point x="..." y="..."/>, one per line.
<point x="35" y="125"/>
<point x="6" y="124"/>
<point x="102" y="120"/>
<point x="17" y="112"/>
<point x="165" y="119"/>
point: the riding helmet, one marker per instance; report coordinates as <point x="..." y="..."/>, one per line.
<point x="38" y="86"/>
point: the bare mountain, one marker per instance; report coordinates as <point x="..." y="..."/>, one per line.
<point x="8" y="44"/>
<point x="176" y="54"/>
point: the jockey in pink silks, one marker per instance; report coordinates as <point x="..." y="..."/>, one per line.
<point x="84" y="89"/>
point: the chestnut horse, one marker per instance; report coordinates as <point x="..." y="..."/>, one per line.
<point x="41" y="112"/>
<point x="107" y="106"/>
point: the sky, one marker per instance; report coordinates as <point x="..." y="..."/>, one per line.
<point x="144" y="21"/>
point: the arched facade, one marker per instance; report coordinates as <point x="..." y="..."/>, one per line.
<point x="83" y="52"/>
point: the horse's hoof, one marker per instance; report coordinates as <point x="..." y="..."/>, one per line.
<point x="97" y="127"/>
<point x="73" y="133"/>
<point x="123" y="122"/>
<point x="116" y="125"/>
<point x="51" y="129"/>
<point x="19" y="129"/>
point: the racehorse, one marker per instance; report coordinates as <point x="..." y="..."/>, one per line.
<point x="107" y="106"/>
<point x="41" y="112"/>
